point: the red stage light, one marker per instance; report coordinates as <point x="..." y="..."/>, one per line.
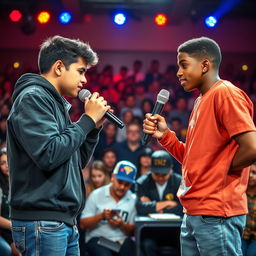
<point x="43" y="17"/>
<point x="15" y="16"/>
<point x="160" y="19"/>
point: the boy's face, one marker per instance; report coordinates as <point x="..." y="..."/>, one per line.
<point x="72" y="79"/>
<point x="189" y="72"/>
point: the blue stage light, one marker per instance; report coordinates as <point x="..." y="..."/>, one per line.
<point x="210" y="21"/>
<point x="120" y="18"/>
<point x="65" y="17"/>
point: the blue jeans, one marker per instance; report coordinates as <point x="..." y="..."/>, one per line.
<point x="45" y="238"/>
<point x="208" y="235"/>
<point x="5" y="249"/>
<point x="249" y="247"/>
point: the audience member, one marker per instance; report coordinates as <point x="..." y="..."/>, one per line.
<point x="109" y="158"/>
<point x="156" y="193"/>
<point x="249" y="236"/>
<point x="109" y="214"/>
<point x="107" y="139"/>
<point x="136" y="74"/>
<point x="2" y="131"/>
<point x="130" y="148"/>
<point x="153" y="74"/>
<point x="98" y="176"/>
<point x="127" y="118"/>
<point x="180" y="112"/>
<point x="122" y="75"/>
<point x="147" y="106"/>
<point x="130" y="104"/>
<point x="144" y="162"/>
<point x="7" y="246"/>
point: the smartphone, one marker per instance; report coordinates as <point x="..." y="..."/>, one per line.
<point x="115" y="212"/>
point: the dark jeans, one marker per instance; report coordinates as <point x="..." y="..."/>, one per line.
<point x="94" y="249"/>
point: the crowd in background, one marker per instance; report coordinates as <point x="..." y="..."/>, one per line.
<point x="132" y="94"/>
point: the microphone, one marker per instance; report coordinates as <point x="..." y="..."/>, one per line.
<point x="84" y="93"/>
<point x="162" y="98"/>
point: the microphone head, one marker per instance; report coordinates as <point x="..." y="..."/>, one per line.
<point x="163" y="96"/>
<point x="84" y="93"/>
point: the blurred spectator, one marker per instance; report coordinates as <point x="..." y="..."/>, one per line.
<point x="109" y="158"/>
<point x="127" y="117"/>
<point x="98" y="176"/>
<point x="156" y="193"/>
<point x="7" y="246"/>
<point x="109" y="214"/>
<point x="136" y="74"/>
<point x="153" y="89"/>
<point x="122" y="75"/>
<point x="130" y="104"/>
<point x="176" y="126"/>
<point x="4" y="111"/>
<point x="249" y="236"/>
<point x="153" y="74"/>
<point x="106" y="140"/>
<point x="147" y="106"/>
<point x="169" y="79"/>
<point x="139" y="92"/>
<point x="2" y="131"/>
<point x="131" y="148"/>
<point x="144" y="162"/>
<point x="181" y="112"/>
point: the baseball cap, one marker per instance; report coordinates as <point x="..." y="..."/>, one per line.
<point x="161" y="162"/>
<point x="125" y="170"/>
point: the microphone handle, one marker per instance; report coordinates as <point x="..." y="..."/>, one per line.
<point x="114" y="119"/>
<point x="156" y="110"/>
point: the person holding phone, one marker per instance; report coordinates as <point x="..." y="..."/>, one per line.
<point x="109" y="213"/>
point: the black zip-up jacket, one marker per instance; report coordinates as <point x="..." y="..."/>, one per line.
<point x="46" y="152"/>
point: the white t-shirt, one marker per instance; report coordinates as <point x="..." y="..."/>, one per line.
<point x="160" y="189"/>
<point x="101" y="199"/>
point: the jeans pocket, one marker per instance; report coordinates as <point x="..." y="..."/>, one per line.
<point x="46" y="225"/>
<point x="18" y="234"/>
<point x="207" y="219"/>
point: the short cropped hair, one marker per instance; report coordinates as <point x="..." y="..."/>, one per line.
<point x="202" y="48"/>
<point x="65" y="49"/>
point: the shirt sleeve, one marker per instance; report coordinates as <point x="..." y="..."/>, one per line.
<point x="175" y="147"/>
<point x="236" y="114"/>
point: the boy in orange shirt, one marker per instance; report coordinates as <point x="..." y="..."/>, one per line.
<point x="220" y="145"/>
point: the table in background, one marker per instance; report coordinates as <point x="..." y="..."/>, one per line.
<point x="143" y="222"/>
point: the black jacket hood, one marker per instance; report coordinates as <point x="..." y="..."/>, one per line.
<point x="30" y="79"/>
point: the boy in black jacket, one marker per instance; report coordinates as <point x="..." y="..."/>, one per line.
<point x="46" y="151"/>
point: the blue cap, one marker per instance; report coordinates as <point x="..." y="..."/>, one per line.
<point x="125" y="170"/>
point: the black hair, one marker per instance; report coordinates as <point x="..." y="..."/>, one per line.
<point x="65" y="49"/>
<point x="201" y="48"/>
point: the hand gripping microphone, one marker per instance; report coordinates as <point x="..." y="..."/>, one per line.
<point x="109" y="115"/>
<point x="162" y="98"/>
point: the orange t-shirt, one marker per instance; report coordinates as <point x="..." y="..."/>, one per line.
<point x="208" y="187"/>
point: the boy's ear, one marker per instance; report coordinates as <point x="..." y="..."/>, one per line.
<point x="205" y="66"/>
<point x="58" y="67"/>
